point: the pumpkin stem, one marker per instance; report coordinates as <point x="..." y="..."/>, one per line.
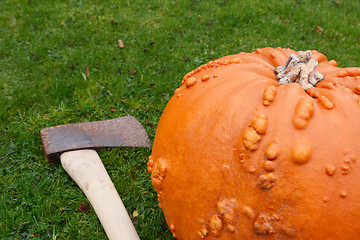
<point x="300" y="69"/>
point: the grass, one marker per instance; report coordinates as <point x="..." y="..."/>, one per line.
<point x="46" y="48"/>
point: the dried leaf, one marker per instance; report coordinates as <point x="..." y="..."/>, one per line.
<point x="84" y="207"/>
<point x="135" y="214"/>
<point x="120" y="43"/>
<point x="112" y="109"/>
<point x="84" y="76"/>
<point x="87" y="71"/>
<point x="319" y="29"/>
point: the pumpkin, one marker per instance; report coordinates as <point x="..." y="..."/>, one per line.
<point x="262" y="145"/>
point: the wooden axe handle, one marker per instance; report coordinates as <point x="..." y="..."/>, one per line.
<point x="87" y="170"/>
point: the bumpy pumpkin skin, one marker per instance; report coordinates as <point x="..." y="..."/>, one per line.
<point x="238" y="156"/>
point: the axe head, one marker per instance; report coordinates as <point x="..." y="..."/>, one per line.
<point x="119" y="132"/>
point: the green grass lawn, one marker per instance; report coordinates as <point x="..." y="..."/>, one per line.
<point x="60" y="62"/>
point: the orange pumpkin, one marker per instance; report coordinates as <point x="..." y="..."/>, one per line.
<point x="237" y="155"/>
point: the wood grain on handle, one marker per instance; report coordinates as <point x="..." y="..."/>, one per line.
<point x="87" y="170"/>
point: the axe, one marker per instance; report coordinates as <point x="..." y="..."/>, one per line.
<point x="75" y="143"/>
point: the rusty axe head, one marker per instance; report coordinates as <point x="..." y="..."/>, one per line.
<point x="119" y="132"/>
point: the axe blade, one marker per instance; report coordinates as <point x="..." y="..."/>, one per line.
<point x="119" y="132"/>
